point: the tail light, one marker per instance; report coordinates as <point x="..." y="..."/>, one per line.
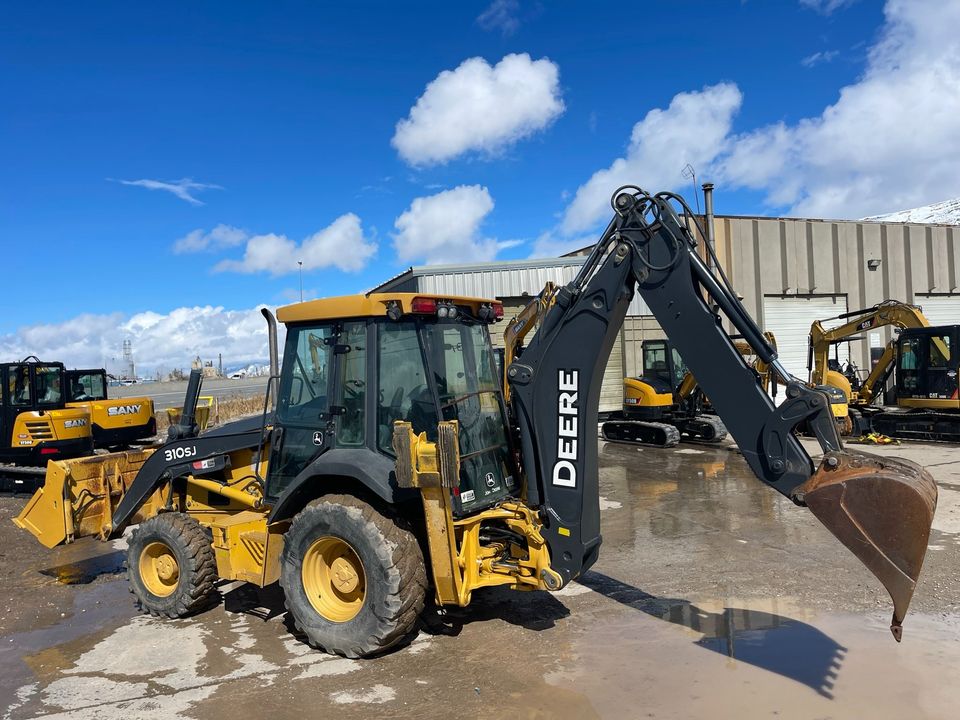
<point x="423" y="305"/>
<point x="498" y="311"/>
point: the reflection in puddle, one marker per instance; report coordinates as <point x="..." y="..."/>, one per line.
<point x="782" y="645"/>
<point x="81" y="572"/>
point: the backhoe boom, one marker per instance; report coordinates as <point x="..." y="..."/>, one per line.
<point x="555" y="389"/>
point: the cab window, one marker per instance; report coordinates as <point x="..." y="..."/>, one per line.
<point x="88" y="386"/>
<point x="354" y="336"/>
<point x="303" y="389"/>
<point x="403" y="392"/>
<point x="49" y="391"/>
<point x="18" y="389"/>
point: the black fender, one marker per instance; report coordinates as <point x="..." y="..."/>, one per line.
<point x="369" y="469"/>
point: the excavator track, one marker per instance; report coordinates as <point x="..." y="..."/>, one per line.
<point x="923" y="425"/>
<point x="639" y="432"/>
<point x="704" y="428"/>
<point x="20" y="478"/>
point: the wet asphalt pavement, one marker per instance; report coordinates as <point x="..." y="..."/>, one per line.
<point x="714" y="597"/>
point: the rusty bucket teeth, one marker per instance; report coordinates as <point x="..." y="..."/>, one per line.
<point x="881" y="509"/>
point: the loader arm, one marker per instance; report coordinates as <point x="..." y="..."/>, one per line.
<point x="556" y="386"/>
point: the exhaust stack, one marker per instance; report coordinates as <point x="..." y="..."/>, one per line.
<point x="273" y="382"/>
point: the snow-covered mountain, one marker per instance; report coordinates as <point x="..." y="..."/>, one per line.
<point x="941" y="213"/>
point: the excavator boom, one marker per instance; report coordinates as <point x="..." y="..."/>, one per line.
<point x="889" y="312"/>
<point x="880" y="509"/>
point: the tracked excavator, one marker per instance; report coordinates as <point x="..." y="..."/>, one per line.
<point x="386" y="468"/>
<point x="664" y="405"/>
<point x="923" y="360"/>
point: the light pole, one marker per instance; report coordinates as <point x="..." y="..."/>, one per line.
<point x="300" y="263"/>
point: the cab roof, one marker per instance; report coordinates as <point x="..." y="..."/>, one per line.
<point x="371" y="305"/>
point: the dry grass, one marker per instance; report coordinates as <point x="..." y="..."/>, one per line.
<point x="224" y="410"/>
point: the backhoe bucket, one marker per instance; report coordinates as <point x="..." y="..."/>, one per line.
<point x="881" y="509"/>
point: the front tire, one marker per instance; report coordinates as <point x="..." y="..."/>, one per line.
<point x="171" y="566"/>
<point x="354" y="580"/>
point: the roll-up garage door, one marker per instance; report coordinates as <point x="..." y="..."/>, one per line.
<point x="940" y="309"/>
<point x="789" y="319"/>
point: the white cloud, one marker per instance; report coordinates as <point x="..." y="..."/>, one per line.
<point x="691" y="130"/>
<point x="818" y="58"/>
<point x="445" y="228"/>
<point x="826" y="7"/>
<point x="160" y="341"/>
<point x="342" y="244"/>
<point x="891" y="140"/>
<point x="552" y="244"/>
<point x="480" y="108"/>
<point x="183" y="188"/>
<point x="222" y="236"/>
<point x="501" y="15"/>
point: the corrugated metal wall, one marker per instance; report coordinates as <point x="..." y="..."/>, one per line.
<point x="504" y="280"/>
<point x="789" y="257"/>
<point x="763" y="257"/>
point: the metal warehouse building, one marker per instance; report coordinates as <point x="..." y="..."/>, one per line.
<point x="789" y="272"/>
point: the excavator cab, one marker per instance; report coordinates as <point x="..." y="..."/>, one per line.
<point x="662" y="362"/>
<point x="35" y="423"/>
<point x="927" y="367"/>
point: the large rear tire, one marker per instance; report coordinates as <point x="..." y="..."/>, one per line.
<point x="354" y="580"/>
<point x="171" y="566"/>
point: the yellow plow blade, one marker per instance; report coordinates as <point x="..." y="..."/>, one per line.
<point x="78" y="497"/>
<point x="881" y="509"/>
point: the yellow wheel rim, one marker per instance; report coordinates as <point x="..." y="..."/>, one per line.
<point x="159" y="569"/>
<point x="333" y="579"/>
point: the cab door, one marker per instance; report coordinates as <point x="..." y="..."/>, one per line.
<point x="927" y="366"/>
<point x="303" y="404"/>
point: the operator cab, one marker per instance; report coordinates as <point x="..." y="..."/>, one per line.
<point x="663" y="368"/>
<point x="35" y="424"/>
<point x="85" y="385"/>
<point x="927" y="367"/>
<point x="345" y="381"/>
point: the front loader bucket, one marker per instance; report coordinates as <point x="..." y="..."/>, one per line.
<point x="78" y="496"/>
<point x="881" y="509"/>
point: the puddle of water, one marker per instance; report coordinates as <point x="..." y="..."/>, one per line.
<point x="750" y="636"/>
<point x="34" y="652"/>
<point x="81" y="572"/>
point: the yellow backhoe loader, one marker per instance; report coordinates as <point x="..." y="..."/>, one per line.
<point x="386" y="466"/>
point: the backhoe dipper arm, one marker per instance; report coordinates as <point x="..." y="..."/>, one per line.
<point x="556" y="383"/>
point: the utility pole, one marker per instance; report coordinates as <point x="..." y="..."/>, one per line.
<point x="300" y="263"/>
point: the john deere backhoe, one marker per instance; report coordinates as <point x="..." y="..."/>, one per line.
<point x="923" y="359"/>
<point x="389" y="470"/>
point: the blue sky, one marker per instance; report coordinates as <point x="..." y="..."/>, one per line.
<point x="284" y="116"/>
